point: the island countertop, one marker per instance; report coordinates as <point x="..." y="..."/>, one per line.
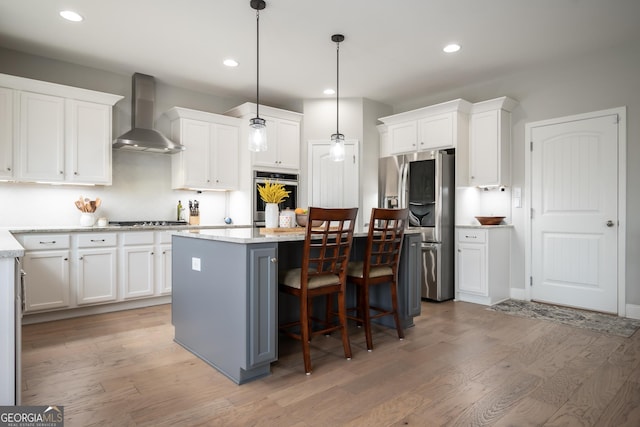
<point x="254" y="235"/>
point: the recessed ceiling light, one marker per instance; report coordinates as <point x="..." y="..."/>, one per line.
<point x="451" y="48"/>
<point x="70" y="15"/>
<point x="329" y="92"/>
<point x="230" y="62"/>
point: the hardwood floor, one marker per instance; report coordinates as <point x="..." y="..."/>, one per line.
<point x="461" y="365"/>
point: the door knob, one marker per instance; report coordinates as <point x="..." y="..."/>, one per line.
<point x="609" y="223"/>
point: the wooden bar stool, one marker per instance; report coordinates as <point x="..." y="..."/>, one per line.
<point x="379" y="266"/>
<point x="323" y="273"/>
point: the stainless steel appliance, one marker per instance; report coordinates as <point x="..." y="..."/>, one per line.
<point x="290" y="182"/>
<point x="425" y="183"/>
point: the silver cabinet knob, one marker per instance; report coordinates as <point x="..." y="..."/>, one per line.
<point x="274" y="260"/>
<point x="609" y="223"/>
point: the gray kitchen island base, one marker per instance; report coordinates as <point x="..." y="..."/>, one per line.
<point x="225" y="312"/>
<point x="225" y="303"/>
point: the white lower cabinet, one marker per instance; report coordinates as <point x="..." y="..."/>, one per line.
<point x="482" y="264"/>
<point x="96" y="275"/>
<point x="84" y="269"/>
<point x="163" y="265"/>
<point x="138" y="264"/>
<point x="47" y="284"/>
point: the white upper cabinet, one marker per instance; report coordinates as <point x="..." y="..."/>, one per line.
<point x="41" y="146"/>
<point x="436" y="127"/>
<point x="89" y="142"/>
<point x="490" y="143"/>
<point x="57" y="133"/>
<point x="283" y="136"/>
<point x="210" y="159"/>
<point x="6" y="133"/>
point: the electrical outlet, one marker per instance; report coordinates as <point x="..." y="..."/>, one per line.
<point x="195" y="264"/>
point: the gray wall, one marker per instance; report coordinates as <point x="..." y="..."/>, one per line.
<point x="608" y="79"/>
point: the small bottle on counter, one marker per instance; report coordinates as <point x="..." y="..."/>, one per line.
<point x="179" y="217"/>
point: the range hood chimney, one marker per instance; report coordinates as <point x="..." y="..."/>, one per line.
<point x="142" y="136"/>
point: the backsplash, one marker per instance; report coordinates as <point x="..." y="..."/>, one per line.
<point x="141" y="190"/>
<point x="473" y="201"/>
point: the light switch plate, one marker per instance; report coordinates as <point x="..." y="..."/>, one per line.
<point x="195" y="264"/>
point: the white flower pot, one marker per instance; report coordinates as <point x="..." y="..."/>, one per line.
<point x="271" y="215"/>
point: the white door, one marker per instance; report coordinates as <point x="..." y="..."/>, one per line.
<point x="574" y="224"/>
<point x="333" y="184"/>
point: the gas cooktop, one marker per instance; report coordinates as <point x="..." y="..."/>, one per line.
<point x="160" y="223"/>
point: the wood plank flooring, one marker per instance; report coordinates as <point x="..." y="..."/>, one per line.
<point x="461" y="365"/>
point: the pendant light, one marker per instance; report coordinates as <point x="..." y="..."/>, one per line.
<point x="257" y="126"/>
<point x="336" y="153"/>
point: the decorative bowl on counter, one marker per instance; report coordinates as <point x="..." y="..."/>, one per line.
<point x="302" y="219"/>
<point x="489" y="220"/>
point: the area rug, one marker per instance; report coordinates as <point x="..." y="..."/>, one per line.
<point x="598" y="322"/>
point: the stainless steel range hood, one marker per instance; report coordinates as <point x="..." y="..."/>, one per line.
<point x="142" y="136"/>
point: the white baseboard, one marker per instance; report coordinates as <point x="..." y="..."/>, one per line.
<point x="633" y="311"/>
<point x="28" y="319"/>
<point x="517" y="293"/>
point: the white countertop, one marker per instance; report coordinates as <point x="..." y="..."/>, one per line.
<point x="485" y="226"/>
<point x="11" y="248"/>
<point x="253" y="235"/>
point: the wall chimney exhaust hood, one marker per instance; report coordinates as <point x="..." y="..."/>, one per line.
<point x="142" y="136"/>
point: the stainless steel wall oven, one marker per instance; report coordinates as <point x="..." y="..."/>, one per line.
<point x="290" y="182"/>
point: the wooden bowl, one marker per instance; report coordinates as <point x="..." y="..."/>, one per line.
<point x="489" y="220"/>
<point x="302" y="219"/>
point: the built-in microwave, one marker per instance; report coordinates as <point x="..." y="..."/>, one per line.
<point x="290" y="182"/>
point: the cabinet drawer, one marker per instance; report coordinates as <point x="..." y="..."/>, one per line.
<point x="44" y="241"/>
<point x="96" y="240"/>
<point x="467" y="235"/>
<point x="138" y="238"/>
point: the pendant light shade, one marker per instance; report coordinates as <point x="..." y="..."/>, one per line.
<point x="336" y="153"/>
<point x="257" y="127"/>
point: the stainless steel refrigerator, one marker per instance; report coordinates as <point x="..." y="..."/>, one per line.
<point x="425" y="183"/>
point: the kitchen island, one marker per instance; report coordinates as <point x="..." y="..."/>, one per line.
<point x="225" y="303"/>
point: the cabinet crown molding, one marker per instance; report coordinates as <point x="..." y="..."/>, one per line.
<point x="186" y="113"/>
<point x="459" y="105"/>
<point x="55" y="89"/>
<point x="249" y="108"/>
<point x="503" y="103"/>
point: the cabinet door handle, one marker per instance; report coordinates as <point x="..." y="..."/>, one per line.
<point x="274" y="260"/>
<point x="81" y="258"/>
<point x="8" y="169"/>
<point x="66" y="259"/>
<point x="75" y="173"/>
<point x="60" y="172"/>
<point x="471" y="237"/>
<point x="52" y="242"/>
<point x="97" y="240"/>
<point x="151" y="253"/>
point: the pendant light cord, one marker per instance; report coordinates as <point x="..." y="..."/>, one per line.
<point x="257" y="63"/>
<point x="337" y="86"/>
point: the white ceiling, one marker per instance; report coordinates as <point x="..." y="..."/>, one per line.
<point x="392" y="50"/>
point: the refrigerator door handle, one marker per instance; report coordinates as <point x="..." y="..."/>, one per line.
<point x="405" y="176"/>
<point x="400" y="187"/>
